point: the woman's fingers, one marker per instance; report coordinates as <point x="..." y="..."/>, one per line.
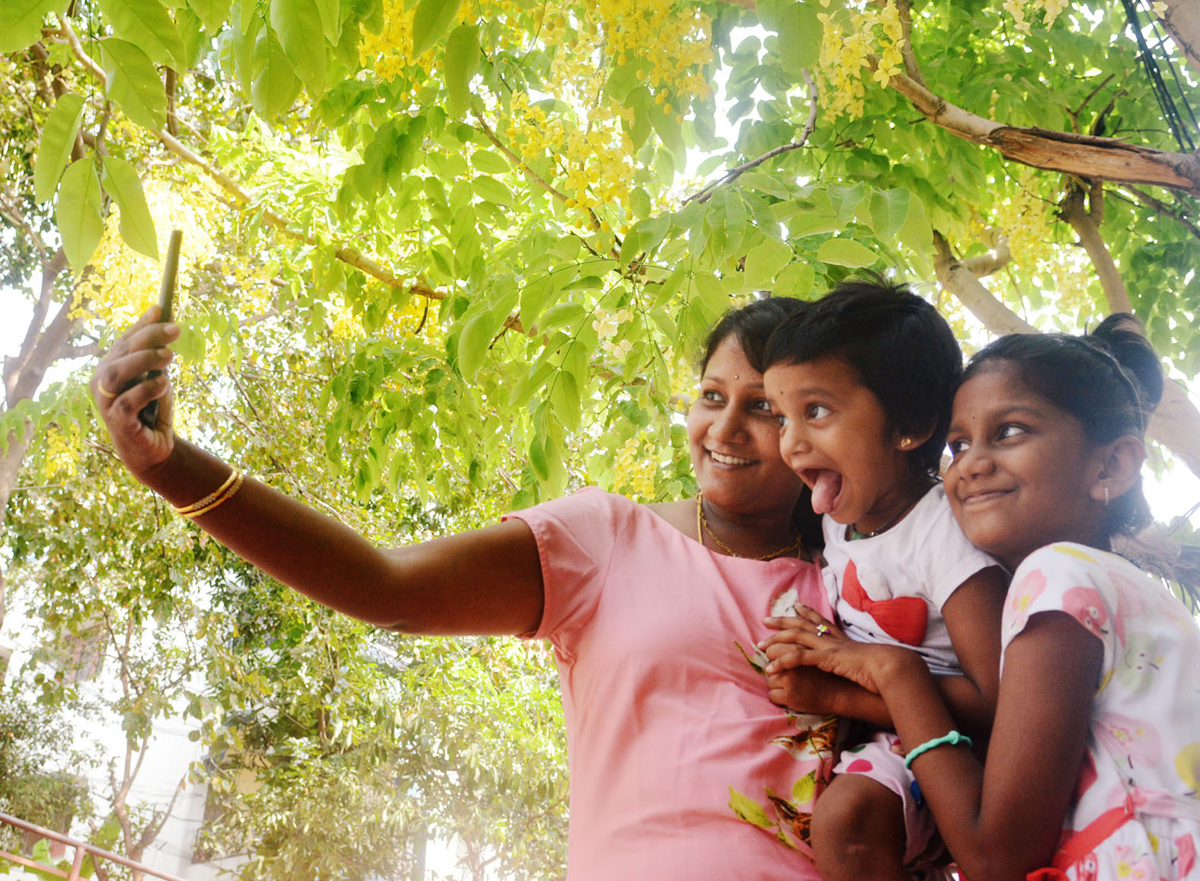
<point x="122" y="386"/>
<point x="117" y="375"/>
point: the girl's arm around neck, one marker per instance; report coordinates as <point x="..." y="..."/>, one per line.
<point x="487" y="581"/>
<point x="1004" y="820"/>
<point x="972" y="615"/>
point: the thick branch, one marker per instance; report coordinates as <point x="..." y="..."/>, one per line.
<point x="1086" y="224"/>
<point x="1081" y="155"/>
<point x="956" y="278"/>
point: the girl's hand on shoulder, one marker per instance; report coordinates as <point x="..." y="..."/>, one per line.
<point x="121" y="389"/>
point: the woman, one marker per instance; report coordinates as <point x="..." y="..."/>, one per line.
<point x="648" y="608"/>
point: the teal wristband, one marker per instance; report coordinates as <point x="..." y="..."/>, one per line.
<point x="951" y="739"/>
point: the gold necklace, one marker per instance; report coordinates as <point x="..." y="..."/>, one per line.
<point x="703" y="527"/>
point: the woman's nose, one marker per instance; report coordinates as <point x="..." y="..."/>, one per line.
<point x="729" y="426"/>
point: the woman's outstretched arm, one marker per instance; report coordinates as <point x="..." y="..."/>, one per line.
<point x="481" y="582"/>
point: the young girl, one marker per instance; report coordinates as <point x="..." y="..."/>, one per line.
<point x="1094" y="762"/>
<point x="862" y="382"/>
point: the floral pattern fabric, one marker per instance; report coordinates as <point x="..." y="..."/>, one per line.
<point x="1137" y="811"/>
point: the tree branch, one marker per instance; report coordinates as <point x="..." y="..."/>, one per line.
<point x="1087" y="226"/>
<point x="810" y="125"/>
<point x="1082" y="155"/>
<point x="956" y="278"/>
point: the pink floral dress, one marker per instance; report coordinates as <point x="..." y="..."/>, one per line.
<point x="1137" y="811"/>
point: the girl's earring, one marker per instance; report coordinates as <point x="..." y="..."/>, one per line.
<point x="1106" y="496"/>
<point x="905" y="443"/>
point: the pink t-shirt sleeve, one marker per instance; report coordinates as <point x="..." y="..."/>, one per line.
<point x="576" y="536"/>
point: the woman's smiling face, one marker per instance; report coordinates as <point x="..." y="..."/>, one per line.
<point x="734" y="438"/>
<point x="1022" y="471"/>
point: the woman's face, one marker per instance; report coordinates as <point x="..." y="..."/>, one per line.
<point x="734" y="438"/>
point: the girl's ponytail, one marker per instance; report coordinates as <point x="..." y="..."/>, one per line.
<point x="1122" y="335"/>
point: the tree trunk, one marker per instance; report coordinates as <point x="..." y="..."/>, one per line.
<point x="24" y="374"/>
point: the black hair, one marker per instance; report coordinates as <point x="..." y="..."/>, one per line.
<point x="903" y="351"/>
<point x="751" y="326"/>
<point x="1110" y="380"/>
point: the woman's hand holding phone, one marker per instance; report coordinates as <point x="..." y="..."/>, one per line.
<point x="130" y="385"/>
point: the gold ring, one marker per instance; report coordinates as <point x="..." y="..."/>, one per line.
<point x="822" y="630"/>
<point x="100" y="388"/>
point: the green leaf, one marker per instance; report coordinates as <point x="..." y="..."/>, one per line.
<point x="78" y="216"/>
<point x="537" y="458"/>
<point x="58" y="139"/>
<point x="889" y="211"/>
<point x="844" y="200"/>
<point x="461" y="64"/>
<point x="712" y="296"/>
<point x="534" y="296"/>
<point x="21" y="22"/>
<point x="147" y="24"/>
<point x="473" y="344"/>
<point x="846" y="252"/>
<point x="331" y="12"/>
<point x="749" y="810"/>
<point x="492" y="190"/>
<point x="531" y="382"/>
<point x="297" y="24"/>
<point x="430" y="21"/>
<point x="489" y="162"/>
<point x="764" y="261"/>
<point x="122" y="184"/>
<point x="805" y="789"/>
<point x="811" y="223"/>
<point x="212" y="12"/>
<point x="134" y="84"/>
<point x="275" y="82"/>
<point x="795" y="280"/>
<point x="799" y="38"/>
<point x="560" y="314"/>
<point x="565" y="401"/>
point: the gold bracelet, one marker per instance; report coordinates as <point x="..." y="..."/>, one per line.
<point x="185" y="510"/>
<point x="239" y="476"/>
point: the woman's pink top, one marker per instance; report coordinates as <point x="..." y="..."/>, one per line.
<point x="666" y="718"/>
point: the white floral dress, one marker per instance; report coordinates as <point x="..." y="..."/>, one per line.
<point x="1137" y="811"/>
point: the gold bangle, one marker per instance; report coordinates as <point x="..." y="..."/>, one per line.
<point x="211" y="497"/>
<point x="238" y="476"/>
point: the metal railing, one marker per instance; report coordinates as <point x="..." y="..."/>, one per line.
<point x="81" y="849"/>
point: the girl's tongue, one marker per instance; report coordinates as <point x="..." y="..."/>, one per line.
<point x="825" y="490"/>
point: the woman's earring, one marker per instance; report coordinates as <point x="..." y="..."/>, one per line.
<point x="1106" y="495"/>
<point x="905" y="443"/>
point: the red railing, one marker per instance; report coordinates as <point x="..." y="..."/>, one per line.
<point x="81" y="849"/>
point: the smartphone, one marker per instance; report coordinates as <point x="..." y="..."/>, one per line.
<point x="166" y="303"/>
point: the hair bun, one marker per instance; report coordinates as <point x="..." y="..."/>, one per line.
<point x="1121" y="334"/>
